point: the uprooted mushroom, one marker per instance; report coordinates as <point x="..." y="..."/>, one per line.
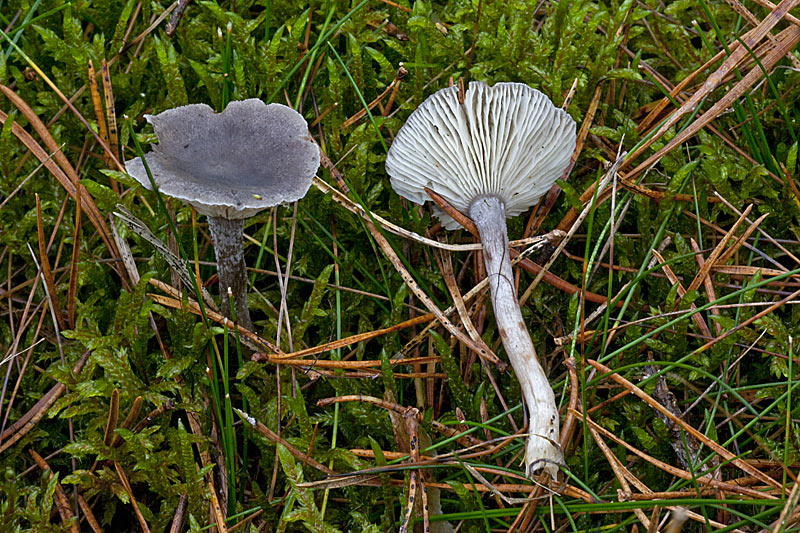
<point x="492" y="156"/>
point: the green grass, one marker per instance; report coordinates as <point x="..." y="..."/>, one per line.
<point x="334" y="58"/>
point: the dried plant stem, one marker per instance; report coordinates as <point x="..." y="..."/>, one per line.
<point x="542" y="450"/>
<point x="227" y="235"/>
<point x="724" y="453"/>
<point x="60" y="498"/>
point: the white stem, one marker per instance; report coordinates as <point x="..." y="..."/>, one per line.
<point x="542" y="450"/>
<point x="227" y="235"/>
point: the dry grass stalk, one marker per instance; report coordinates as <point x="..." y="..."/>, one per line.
<point x="362" y="364"/>
<point x="790" y="514"/>
<point x="463" y="439"/>
<point x="390" y="254"/>
<point x="446" y="268"/>
<point x="745" y="323"/>
<point x="241" y="524"/>
<point x="725" y="454"/>
<point x="673" y="279"/>
<point x="717" y="252"/>
<point x="707" y="284"/>
<point x="730" y="486"/>
<point x="388" y="454"/>
<point x="410" y="419"/>
<point x="391" y="227"/>
<point x="64" y="510"/>
<point x="28" y="421"/>
<point x="769" y="237"/>
<point x="216" y="510"/>
<point x="97" y="103"/>
<point x="273" y="437"/>
<point x="746" y="245"/>
<point x="570" y="423"/>
<point x="175" y="302"/>
<point x="47" y="272"/>
<point x="738" y="53"/>
<point x="57" y="164"/>
<point x="353" y="339"/>
<point x="748" y="271"/>
<point x="751" y="19"/>
<point x="733" y="248"/>
<point x="89" y="515"/>
<point x="391" y="88"/>
<point x="111" y="116"/>
<point x="787" y="39"/>
<point x="180" y="513"/>
<point x="126" y="484"/>
<point x="621" y="473"/>
<point x="73" y="265"/>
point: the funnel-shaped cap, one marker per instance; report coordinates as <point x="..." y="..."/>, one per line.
<point x="508" y="141"/>
<point x="231" y="164"/>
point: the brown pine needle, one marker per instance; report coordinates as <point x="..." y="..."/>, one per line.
<point x="67" y="517"/>
<point x="725" y="454"/>
<point x="717" y="252"/>
<point x="127" y="486"/>
<point x="677" y="472"/>
<point x="47" y="273"/>
<point x="363" y="112"/>
<point x="180" y="512"/>
<point x="29" y="420"/>
<point x="348" y="341"/>
<point x="57" y="164"/>
<point x="73" y="265"/>
<point x="89" y="515"/>
<point x="273" y="437"/>
<point x="745" y="323"/>
<point x="788" y="39"/>
<point x="697" y="317"/>
<point x="733" y="248"/>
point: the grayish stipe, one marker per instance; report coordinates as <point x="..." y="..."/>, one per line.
<point x="229" y="166"/>
<point x="227" y="235"/>
<point x="493" y="157"/>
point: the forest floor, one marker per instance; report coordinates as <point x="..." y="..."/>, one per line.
<point x="661" y="302"/>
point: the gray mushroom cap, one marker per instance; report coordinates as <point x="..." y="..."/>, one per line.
<point x="232" y="164"/>
<point x="508" y="140"/>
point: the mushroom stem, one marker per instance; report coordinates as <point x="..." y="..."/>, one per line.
<point x="227" y="235"/>
<point x="542" y="450"/>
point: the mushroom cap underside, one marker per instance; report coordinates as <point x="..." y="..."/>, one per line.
<point x="508" y="140"/>
<point x="232" y="164"/>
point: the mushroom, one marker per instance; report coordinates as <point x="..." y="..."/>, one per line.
<point x="492" y="154"/>
<point x="229" y="166"/>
